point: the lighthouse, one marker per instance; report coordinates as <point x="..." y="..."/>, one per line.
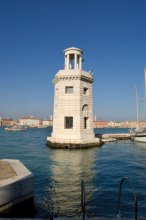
<point x="73" y="107"/>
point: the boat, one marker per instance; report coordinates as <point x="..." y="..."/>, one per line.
<point x="141" y="137"/>
<point x="138" y="134"/>
<point x="16" y="128"/>
<point x="104" y="140"/>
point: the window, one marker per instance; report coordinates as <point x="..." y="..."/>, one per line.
<point x="68" y="123"/>
<point x="85" y="108"/>
<point x="85" y="122"/>
<point x="85" y="90"/>
<point x="69" y="89"/>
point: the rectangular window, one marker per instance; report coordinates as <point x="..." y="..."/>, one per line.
<point x="69" y="89"/>
<point x="68" y="123"/>
<point x="85" y="90"/>
<point x="85" y="122"/>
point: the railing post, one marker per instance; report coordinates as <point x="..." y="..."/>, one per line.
<point x="83" y="198"/>
<point x="119" y="198"/>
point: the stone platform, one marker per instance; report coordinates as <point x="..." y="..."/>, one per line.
<point x="6" y="170"/>
<point x="118" y="136"/>
<point x="72" y="144"/>
<point x="16" y="188"/>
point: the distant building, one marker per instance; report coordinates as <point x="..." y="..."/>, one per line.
<point x="29" y="121"/>
<point x="7" y="122"/>
<point x="100" y="124"/>
<point x="47" y="123"/>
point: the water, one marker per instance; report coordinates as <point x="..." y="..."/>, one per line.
<point x="58" y="173"/>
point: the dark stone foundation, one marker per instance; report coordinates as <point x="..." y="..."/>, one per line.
<point x="73" y="146"/>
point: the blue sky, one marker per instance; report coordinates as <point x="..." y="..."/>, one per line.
<point x="34" y="33"/>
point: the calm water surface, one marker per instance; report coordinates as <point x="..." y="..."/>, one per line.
<point x="58" y="173"/>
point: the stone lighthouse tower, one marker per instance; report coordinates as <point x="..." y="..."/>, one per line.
<point x="73" y="110"/>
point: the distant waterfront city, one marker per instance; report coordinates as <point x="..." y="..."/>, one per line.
<point x="34" y="122"/>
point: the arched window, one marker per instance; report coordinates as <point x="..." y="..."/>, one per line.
<point x="85" y="110"/>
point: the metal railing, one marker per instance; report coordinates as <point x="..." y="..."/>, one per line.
<point x="83" y="196"/>
<point x="119" y="198"/>
<point x="83" y="199"/>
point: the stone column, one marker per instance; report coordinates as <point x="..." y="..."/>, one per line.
<point x="80" y="62"/>
<point x="75" y="61"/>
<point x="67" y="61"/>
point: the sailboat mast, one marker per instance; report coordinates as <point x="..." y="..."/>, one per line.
<point x="145" y="81"/>
<point x="137" y="109"/>
<point x="145" y="90"/>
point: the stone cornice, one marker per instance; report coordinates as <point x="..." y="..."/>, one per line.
<point x="82" y="78"/>
<point x="87" y="79"/>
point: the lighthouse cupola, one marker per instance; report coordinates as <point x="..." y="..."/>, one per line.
<point x="73" y="58"/>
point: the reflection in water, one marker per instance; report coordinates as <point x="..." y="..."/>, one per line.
<point x="102" y="169"/>
<point x="68" y="167"/>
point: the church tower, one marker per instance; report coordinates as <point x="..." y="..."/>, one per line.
<point x="73" y="109"/>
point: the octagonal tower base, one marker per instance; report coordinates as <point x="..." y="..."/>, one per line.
<point x="73" y="144"/>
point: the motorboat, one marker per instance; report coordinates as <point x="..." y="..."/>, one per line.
<point x="16" y="128"/>
<point x="138" y="134"/>
<point x="139" y="137"/>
